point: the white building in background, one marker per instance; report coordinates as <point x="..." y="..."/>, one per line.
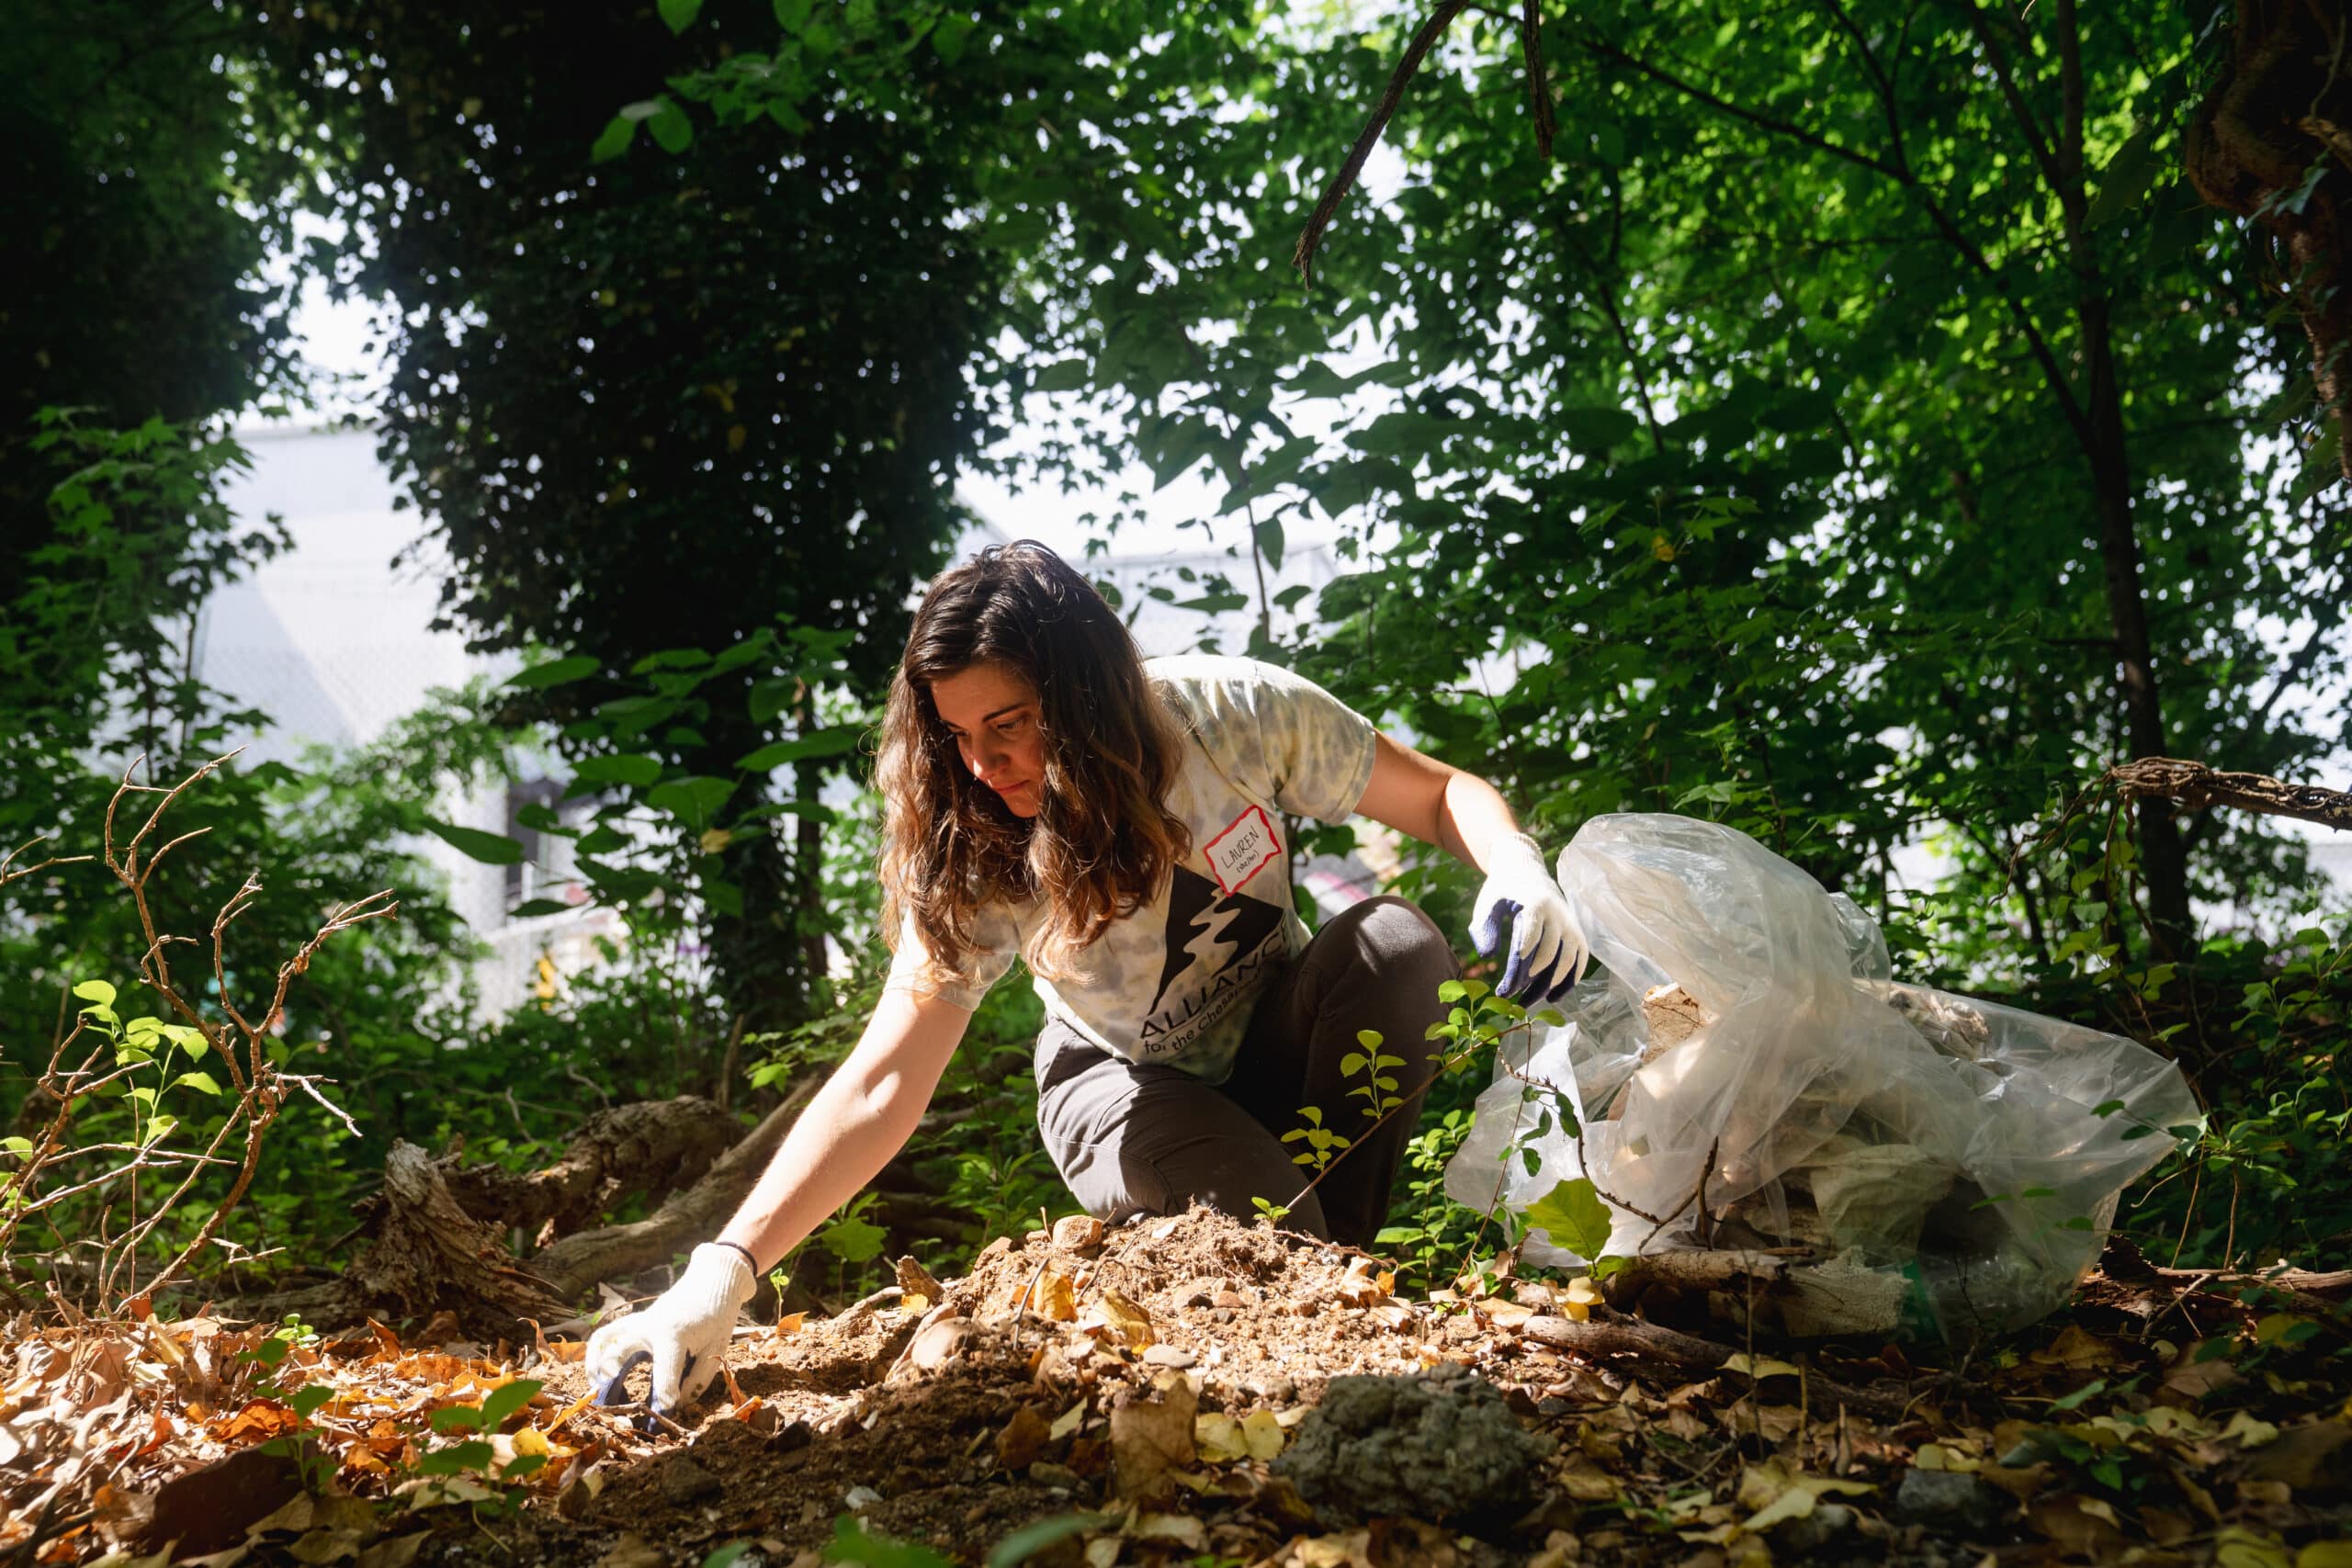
<point x="335" y="644"/>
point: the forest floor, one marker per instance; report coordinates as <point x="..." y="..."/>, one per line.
<point x="1166" y="1393"/>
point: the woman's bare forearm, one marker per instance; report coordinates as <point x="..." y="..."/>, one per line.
<point x="852" y="1126"/>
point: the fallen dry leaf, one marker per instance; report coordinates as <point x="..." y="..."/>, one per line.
<point x="1053" y="1298"/>
<point x="1022" y="1441"/>
<point x="916" y="1280"/>
<point x="1126" y="1319"/>
<point x="1149" y="1436"/>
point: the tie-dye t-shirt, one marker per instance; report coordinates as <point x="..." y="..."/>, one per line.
<point x="1172" y="984"/>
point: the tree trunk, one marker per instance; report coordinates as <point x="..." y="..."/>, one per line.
<point x="2271" y="141"/>
<point x="2163" y="858"/>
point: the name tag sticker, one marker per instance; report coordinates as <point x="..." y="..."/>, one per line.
<point x="1247" y="847"/>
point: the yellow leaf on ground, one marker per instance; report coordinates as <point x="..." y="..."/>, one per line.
<point x="2075" y="1348"/>
<point x="2326" y="1554"/>
<point x="1219" y="1437"/>
<point x="1262" y="1431"/>
<point x="1756" y="1367"/>
<point x="1129" y="1321"/>
<point x="2235" y="1548"/>
<point x="1052" y="1297"/>
<point x="2248" y="1430"/>
<point x="1182" y="1528"/>
<point x="1793" y="1504"/>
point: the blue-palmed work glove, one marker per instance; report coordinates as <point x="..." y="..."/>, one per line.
<point x="684" y="1332"/>
<point x="1547" y="952"/>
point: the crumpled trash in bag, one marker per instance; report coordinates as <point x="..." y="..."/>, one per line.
<point x="1949" y="1165"/>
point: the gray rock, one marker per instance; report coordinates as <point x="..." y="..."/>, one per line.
<point x="1804" y="1535"/>
<point x="1436" y="1446"/>
<point x="1951" y="1501"/>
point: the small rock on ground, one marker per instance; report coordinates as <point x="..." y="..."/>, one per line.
<point x="1951" y="1500"/>
<point x="1440" y="1445"/>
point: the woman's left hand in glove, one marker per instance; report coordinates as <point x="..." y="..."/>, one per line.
<point x="1547" y="952"/>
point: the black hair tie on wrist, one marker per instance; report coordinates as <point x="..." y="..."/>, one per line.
<point x="745" y="1251"/>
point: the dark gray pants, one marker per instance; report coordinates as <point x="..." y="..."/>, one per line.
<point x="1132" y="1139"/>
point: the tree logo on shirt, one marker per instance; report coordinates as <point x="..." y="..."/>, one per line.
<point x="1206" y="930"/>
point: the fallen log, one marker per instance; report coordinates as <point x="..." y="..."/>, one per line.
<point x="649" y="1148"/>
<point x="430" y="1256"/>
<point x="575" y="1263"/>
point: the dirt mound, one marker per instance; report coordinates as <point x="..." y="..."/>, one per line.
<point x="1145" y="1395"/>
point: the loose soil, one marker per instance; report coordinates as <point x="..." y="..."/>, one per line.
<point x="1154" y="1378"/>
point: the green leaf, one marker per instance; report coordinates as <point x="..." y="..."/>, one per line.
<point x="671" y="659"/>
<point x="1596" y="429"/>
<point x="1269" y="537"/>
<point x="793" y="14"/>
<point x="506" y="1399"/>
<point x="948" y="38"/>
<point x="1451" y="991"/>
<point x="628" y="768"/>
<point x="1038" y="1534"/>
<point x="490" y="849"/>
<point x="680" y="14"/>
<point x="2124" y="182"/>
<point x="306" y="1400"/>
<point x="618" y="134"/>
<point x="201" y="1082"/>
<point x="671" y="127"/>
<point x="852" y="1544"/>
<point x="2070" y="1401"/>
<point x="96" y="991"/>
<point x="830" y="742"/>
<point x="13" y="1145"/>
<point x="476" y="1455"/>
<point x="456" y="1418"/>
<point x="692" y="800"/>
<point x="562" y="671"/>
<point x="852" y="1240"/>
<point x="533" y="909"/>
<point x="1573" y="1215"/>
<point x="1062" y="376"/>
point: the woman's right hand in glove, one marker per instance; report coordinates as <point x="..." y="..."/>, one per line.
<point x="684" y="1332"/>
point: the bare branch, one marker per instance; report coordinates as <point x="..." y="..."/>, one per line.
<point x="11" y="872"/>
<point x="1336" y="192"/>
<point x="2194" y="786"/>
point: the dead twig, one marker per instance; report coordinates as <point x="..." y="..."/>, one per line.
<point x="1311" y="238"/>
<point x="2196" y="786"/>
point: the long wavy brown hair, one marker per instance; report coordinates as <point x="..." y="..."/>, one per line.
<point x="1102" y="841"/>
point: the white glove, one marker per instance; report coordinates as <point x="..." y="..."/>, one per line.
<point x="684" y="1332"/>
<point x="1547" y="952"/>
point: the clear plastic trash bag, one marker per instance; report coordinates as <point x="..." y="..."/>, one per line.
<point x="1951" y="1165"/>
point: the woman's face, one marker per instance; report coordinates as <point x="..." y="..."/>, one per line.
<point x="992" y="710"/>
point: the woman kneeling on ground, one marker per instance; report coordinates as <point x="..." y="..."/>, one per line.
<point x="1052" y="795"/>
